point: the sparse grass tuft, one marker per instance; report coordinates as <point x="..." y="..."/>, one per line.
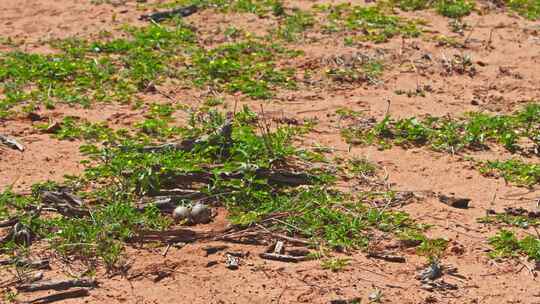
<point x="376" y="24"/>
<point x="454" y="8"/>
<point x="521" y="221"/>
<point x="335" y="264"/>
<point x="346" y="113"/>
<point x="248" y="67"/>
<point x="514" y="171"/>
<point x="73" y="128"/>
<point x="363" y="69"/>
<point x="292" y="26"/>
<point x="361" y="166"/>
<point x="413" y="5"/>
<point x="529" y="9"/>
<point x="259" y="7"/>
<point x="506" y="244"/>
<point x="85" y="72"/>
<point x="121" y="172"/>
<point x="447" y="8"/>
<point x="443" y="40"/>
<point x="101" y="235"/>
<point x="474" y="131"/>
<point x="432" y="248"/>
<point x="12" y="204"/>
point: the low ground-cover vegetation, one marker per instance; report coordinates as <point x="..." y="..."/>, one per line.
<point x="374" y="23"/>
<point x="238" y="163"/>
<point x="507" y="244"/>
<point x="114" y="69"/>
<point x="514" y="171"/>
<point x="448" y="8"/>
<point x="85" y="72"/>
<point x="271" y="180"/>
<point x="517" y="132"/>
<point x="259" y="7"/>
<point x="475" y="131"/>
<point x="111" y="69"/>
<point x="529" y="9"/>
<point x="518" y="217"/>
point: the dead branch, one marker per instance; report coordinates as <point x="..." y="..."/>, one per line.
<point x="292" y="240"/>
<point x="176" y="235"/>
<point x="77" y="293"/>
<point x="387" y="257"/>
<point x="279" y="247"/>
<point x="180" y="12"/>
<point x="184" y="234"/>
<point x="164" y="254"/>
<point x="240" y="237"/>
<point x="166" y="204"/>
<point x="213" y="249"/>
<point x="30" y="279"/>
<point x="58" y="285"/>
<point x="284" y="177"/>
<point x="65" y="203"/>
<point x="176" y="194"/>
<point x="9" y="222"/>
<point x="276" y="176"/>
<point x="282" y="257"/>
<point x="36" y="264"/>
<point x="289" y="239"/>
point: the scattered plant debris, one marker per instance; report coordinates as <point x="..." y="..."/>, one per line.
<point x="506" y="244"/>
<point x="179" y="12"/>
<point x="58" y="285"/>
<point x="11" y="142"/>
<point x="514" y="171"/>
<point x="387" y="257"/>
<point x="70" y="294"/>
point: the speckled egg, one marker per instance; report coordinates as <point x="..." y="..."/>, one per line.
<point x="181" y="213"/>
<point x="200" y="214"/>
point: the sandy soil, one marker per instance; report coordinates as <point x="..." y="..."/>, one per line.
<point x="497" y="40"/>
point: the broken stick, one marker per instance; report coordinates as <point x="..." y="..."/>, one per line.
<point x="387" y="257"/>
<point x="9" y="222"/>
<point x="282" y="257"/>
<point x="273" y="176"/>
<point x="77" y="293"/>
<point x="58" y="285"/>
<point x="65" y="203"/>
<point x="181" y="12"/>
<point x="37" y="264"/>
